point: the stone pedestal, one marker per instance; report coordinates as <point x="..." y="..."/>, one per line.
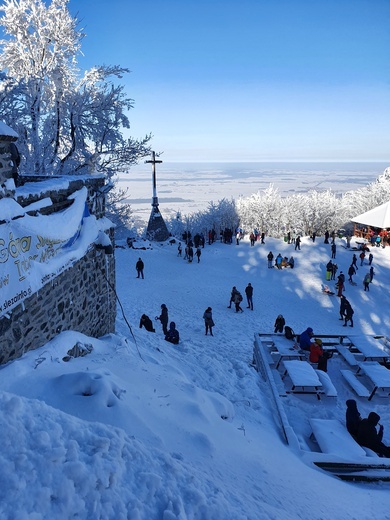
<point x="157" y="229"/>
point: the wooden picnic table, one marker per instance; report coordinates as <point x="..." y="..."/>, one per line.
<point x="286" y="351"/>
<point x="378" y="375"/>
<point x="303" y="376"/>
<point x="372" y="349"/>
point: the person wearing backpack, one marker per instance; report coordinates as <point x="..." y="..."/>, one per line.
<point x="366" y="282"/>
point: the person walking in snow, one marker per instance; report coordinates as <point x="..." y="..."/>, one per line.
<point x="208" y="320"/>
<point x="343" y="305"/>
<point x="366" y="282"/>
<point x="334" y="271"/>
<point x="371" y="273"/>
<point x="298" y="243"/>
<point x="198" y="253"/>
<point x="163" y="318"/>
<point x="354" y="261"/>
<point x="179" y="250"/>
<point x="237" y="301"/>
<point x="349" y="312"/>
<point x="362" y="257"/>
<point x="333" y="249"/>
<point x="249" y="296"/>
<point x="232" y="295"/>
<point x="140" y="268"/>
<point x="370" y="258"/>
<point x="340" y="284"/>
<point x="351" y="272"/>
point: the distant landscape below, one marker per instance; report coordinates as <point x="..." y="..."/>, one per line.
<point x="189" y="187"/>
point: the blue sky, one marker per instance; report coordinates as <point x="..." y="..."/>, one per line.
<point x="250" y="80"/>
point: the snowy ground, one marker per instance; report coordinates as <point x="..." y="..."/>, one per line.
<point x="145" y="430"/>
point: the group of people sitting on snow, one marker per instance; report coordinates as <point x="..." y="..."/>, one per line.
<point x="281" y="262"/>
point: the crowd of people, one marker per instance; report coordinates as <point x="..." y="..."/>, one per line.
<point x="363" y="430"/>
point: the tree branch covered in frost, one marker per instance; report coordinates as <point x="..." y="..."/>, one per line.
<point x="66" y="123"/>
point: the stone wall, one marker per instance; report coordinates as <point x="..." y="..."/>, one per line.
<point x="79" y="299"/>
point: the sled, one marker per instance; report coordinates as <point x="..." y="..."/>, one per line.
<point x="325" y="289"/>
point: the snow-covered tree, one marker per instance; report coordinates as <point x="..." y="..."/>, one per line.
<point x="67" y="122"/>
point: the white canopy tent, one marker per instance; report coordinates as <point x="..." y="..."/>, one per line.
<point x="378" y="217"/>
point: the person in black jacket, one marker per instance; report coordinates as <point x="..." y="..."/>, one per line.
<point x="249" y="296"/>
<point x="343" y="305"/>
<point x="140" y="268"/>
<point x="352" y="417"/>
<point x="163" y="318"/>
<point x="369" y="437"/>
<point x="270" y="257"/>
<point x="349" y="312"/>
<point x="173" y="334"/>
<point x="280" y="322"/>
<point x="146" y="322"/>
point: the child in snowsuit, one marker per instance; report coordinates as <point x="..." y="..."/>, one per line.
<point x="279" y="323"/>
<point x="173" y="335"/>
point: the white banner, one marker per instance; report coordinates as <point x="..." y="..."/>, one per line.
<point x="35" y="249"/>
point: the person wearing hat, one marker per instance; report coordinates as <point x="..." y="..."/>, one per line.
<point x="318" y="355"/>
<point x="371" y="438"/>
<point x="305" y="339"/>
<point x="316" y="351"/>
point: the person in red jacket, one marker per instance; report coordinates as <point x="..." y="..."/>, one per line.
<point x="316" y="351"/>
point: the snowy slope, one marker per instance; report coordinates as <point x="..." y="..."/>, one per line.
<point x="148" y="430"/>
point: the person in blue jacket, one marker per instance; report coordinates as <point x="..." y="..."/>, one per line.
<point x="305" y="339"/>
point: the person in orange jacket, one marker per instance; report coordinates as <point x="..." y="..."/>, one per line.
<point x="316" y="351"/>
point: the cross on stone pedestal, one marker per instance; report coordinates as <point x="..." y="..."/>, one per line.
<point x="154" y="161"/>
<point x="157" y="229"/>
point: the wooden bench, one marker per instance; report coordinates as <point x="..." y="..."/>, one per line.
<point x="347" y="355"/>
<point x="357" y="386"/>
<point x="327" y="385"/>
<point x="333" y="437"/>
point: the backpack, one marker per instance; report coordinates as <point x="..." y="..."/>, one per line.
<point x="288" y="332"/>
<point x="239" y="297"/>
